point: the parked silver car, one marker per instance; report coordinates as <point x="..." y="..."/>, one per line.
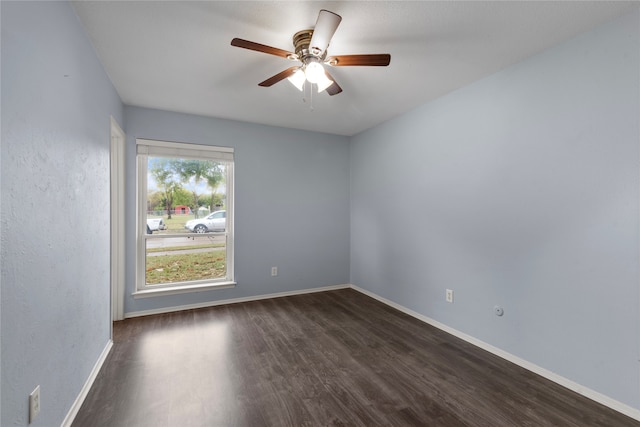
<point x="217" y="221"/>
<point x="155" y="224"/>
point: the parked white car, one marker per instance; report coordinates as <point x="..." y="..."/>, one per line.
<point x="217" y="221"/>
<point x="155" y="224"/>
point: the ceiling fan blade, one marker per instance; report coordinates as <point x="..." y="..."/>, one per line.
<point x="335" y="88"/>
<point x="380" y="60"/>
<point x="246" y="44"/>
<point x="280" y="76"/>
<point x="326" y="26"/>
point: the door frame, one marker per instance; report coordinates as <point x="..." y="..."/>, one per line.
<point x="117" y="193"/>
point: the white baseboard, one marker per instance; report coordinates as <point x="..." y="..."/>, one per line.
<point x="558" y="379"/>
<point x="233" y="301"/>
<point x="71" y="415"/>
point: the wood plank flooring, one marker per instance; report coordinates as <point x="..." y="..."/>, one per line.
<point x="335" y="358"/>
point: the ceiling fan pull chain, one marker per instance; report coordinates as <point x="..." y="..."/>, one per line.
<point x="304" y="92"/>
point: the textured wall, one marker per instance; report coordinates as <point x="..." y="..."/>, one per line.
<point x="519" y="190"/>
<point x="56" y="103"/>
<point x="291" y="204"/>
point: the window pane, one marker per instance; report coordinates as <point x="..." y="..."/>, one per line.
<point x="185" y="221"/>
<point x="185" y="258"/>
<point x="182" y="190"/>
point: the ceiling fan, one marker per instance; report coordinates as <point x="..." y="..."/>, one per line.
<point x="311" y="50"/>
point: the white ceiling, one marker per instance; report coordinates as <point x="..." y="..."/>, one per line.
<point x="176" y="55"/>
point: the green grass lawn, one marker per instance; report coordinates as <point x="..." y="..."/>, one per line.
<point x="177" y="222"/>
<point x="181" y="268"/>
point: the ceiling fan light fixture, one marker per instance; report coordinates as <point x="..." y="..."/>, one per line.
<point x="324" y="83"/>
<point x="314" y="71"/>
<point x="297" y="79"/>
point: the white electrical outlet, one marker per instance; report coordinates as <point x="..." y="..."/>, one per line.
<point x="34" y="404"/>
<point x="449" y="295"/>
<point x="274" y="271"/>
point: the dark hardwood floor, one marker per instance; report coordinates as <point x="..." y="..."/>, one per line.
<point x="333" y="358"/>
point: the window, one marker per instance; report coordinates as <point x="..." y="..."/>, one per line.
<point x="185" y="218"/>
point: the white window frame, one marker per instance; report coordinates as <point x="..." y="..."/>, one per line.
<point x="146" y="148"/>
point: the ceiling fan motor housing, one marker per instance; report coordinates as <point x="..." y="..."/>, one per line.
<point x="301" y="41"/>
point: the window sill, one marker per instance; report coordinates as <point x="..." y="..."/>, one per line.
<point x="182" y="289"/>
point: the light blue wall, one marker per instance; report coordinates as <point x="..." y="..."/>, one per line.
<point x="519" y="190"/>
<point x="291" y="204"/>
<point x="56" y="107"/>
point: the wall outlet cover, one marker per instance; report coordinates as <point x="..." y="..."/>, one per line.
<point x="34" y="404"/>
<point x="449" y="295"/>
